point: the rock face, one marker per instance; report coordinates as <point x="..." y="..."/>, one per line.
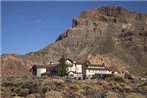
<point x="116" y="35"/>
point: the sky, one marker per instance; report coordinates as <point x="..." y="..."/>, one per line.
<point x="28" y="26"/>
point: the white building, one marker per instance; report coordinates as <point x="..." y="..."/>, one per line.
<point x="39" y="70"/>
<point x="74" y="69"/>
<point x="100" y="70"/>
<point x="80" y="71"/>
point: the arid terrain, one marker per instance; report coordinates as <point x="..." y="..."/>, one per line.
<point x="112" y="36"/>
<point x="57" y="87"/>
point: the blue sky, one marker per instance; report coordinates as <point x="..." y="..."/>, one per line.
<point x="31" y="25"/>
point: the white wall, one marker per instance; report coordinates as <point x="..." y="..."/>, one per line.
<point x="79" y="68"/>
<point x="76" y="75"/>
<point x="72" y="68"/>
<point x="96" y="67"/>
<point x="92" y="72"/>
<point x="40" y="71"/>
<point x="71" y="73"/>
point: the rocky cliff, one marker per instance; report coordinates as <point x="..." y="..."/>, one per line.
<point x="112" y="35"/>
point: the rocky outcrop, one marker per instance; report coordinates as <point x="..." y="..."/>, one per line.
<point x="113" y="14"/>
<point x="111" y="62"/>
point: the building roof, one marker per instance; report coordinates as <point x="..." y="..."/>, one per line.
<point x="97" y="69"/>
<point x="45" y="66"/>
<point x="95" y="65"/>
<point x="69" y="60"/>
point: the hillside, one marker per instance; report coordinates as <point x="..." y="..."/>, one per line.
<point x="57" y="87"/>
<point x="111" y="35"/>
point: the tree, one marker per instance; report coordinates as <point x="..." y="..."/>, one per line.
<point x="62" y="68"/>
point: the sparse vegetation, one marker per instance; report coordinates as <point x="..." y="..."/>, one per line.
<point x="61" y="87"/>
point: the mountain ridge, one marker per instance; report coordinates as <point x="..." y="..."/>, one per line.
<point x="110" y="35"/>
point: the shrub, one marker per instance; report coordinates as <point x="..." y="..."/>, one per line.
<point x="18" y="97"/>
<point x="103" y="83"/>
<point x="17" y="82"/>
<point x="50" y="84"/>
<point x="78" y="95"/>
<point x="37" y="95"/>
<point x="75" y="95"/>
<point x="99" y="95"/>
<point x="58" y="82"/>
<point x="82" y="85"/>
<point x="31" y="85"/>
<point x="2" y="89"/>
<point x="128" y="88"/>
<point x="31" y="96"/>
<point x="88" y="90"/>
<point x="117" y="87"/>
<point x="112" y="95"/>
<point x="53" y="94"/>
<point x="143" y="89"/>
<point x="44" y="89"/>
<point x="24" y="92"/>
<point x="17" y="89"/>
<point x="67" y="81"/>
<point x="135" y="95"/>
<point x="7" y="83"/>
<point x="74" y="87"/>
<point x="122" y="84"/>
<point x="119" y="78"/>
<point x="81" y="91"/>
<point x="100" y="88"/>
